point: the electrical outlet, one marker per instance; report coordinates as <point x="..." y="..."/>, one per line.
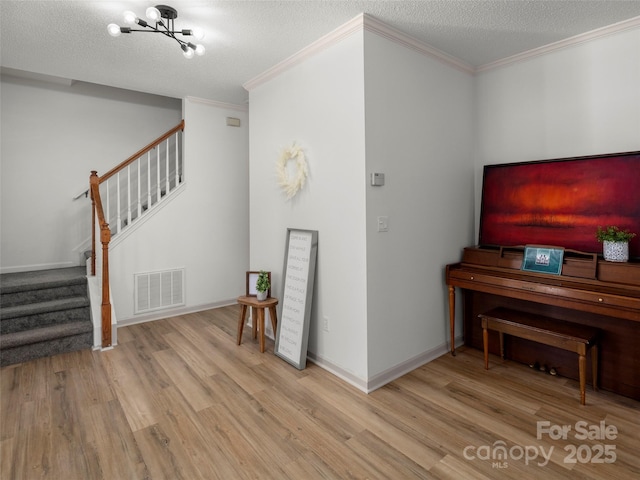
<point x="325" y="324"/>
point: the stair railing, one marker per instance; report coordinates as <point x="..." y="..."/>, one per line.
<point x="105" y="238"/>
<point x="162" y="184"/>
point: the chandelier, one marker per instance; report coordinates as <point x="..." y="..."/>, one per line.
<point x="163" y="17"/>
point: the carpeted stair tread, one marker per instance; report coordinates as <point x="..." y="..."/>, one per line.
<point x="44" y="313"/>
<point x="39" y="280"/>
<point x="44" y="307"/>
<point x="12" y="340"/>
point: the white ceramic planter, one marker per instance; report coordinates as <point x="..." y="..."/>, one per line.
<point x="616" y="251"/>
<point x="261" y="295"/>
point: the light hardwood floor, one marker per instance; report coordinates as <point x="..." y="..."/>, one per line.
<point x="178" y="399"/>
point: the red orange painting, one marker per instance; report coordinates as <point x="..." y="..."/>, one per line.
<point x="561" y="202"/>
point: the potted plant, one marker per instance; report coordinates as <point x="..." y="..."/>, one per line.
<point x="615" y="243"/>
<point x="262" y="285"/>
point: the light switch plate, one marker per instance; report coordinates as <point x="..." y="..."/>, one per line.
<point x="377" y="179"/>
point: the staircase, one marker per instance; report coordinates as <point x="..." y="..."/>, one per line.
<point x="44" y="313"/>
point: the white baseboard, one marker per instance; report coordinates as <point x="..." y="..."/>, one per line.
<point x="351" y="379"/>
<point x="174" y="312"/>
<point x="389" y="375"/>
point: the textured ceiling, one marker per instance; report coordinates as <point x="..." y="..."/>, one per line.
<point x="69" y="39"/>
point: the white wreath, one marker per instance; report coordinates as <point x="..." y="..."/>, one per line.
<point x="292" y="185"/>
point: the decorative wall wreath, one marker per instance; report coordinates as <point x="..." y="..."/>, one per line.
<point x="291" y="185"/>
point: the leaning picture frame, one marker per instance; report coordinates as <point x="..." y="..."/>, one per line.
<point x="292" y="336"/>
<point x="252" y="278"/>
<point x="543" y="259"/>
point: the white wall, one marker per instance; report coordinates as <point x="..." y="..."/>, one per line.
<point x="368" y="104"/>
<point x="53" y="135"/>
<point x="419" y="131"/>
<point x="580" y="100"/>
<point x="319" y="104"/>
<point x="205" y="229"/>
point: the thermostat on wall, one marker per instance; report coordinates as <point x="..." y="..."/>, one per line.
<point x="377" y="179"/>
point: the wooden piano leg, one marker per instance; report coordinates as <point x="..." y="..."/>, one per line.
<point x="452" y="317"/>
<point x="582" y="366"/>
<point x="594" y="366"/>
<point x="485" y="345"/>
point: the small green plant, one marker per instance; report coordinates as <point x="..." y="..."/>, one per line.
<point x="262" y="284"/>
<point x="613" y="234"/>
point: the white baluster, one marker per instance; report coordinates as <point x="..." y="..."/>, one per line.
<point x="159" y="196"/>
<point x="129" y="195"/>
<point x="148" y="180"/>
<point x="138" y="162"/>
<point x="167" y="150"/>
<point x="177" y="160"/>
<point x="118" y="219"/>
<point x="108" y="212"/>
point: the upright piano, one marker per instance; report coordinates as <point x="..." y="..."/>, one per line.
<point x="588" y="291"/>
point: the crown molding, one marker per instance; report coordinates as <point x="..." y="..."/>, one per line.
<point x="39" y="77"/>
<point x="337" y="35"/>
<point x="382" y="29"/>
<point x="357" y="24"/>
<point x="568" y="42"/>
<point x="366" y="22"/>
<point x="214" y="103"/>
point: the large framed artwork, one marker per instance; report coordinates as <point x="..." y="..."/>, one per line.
<point x="561" y="202"/>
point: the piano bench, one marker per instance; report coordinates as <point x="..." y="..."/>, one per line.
<point x="548" y="331"/>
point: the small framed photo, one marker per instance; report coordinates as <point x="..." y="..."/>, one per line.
<point x="543" y="259"/>
<point x="252" y="278"/>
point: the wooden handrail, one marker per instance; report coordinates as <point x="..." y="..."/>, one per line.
<point x="142" y="151"/>
<point x="97" y="212"/>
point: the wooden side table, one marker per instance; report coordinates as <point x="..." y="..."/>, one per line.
<point x="257" y="314"/>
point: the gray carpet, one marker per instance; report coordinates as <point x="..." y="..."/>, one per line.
<point x="44" y="313"/>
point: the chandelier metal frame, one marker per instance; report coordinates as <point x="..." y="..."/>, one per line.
<point x="163" y="16"/>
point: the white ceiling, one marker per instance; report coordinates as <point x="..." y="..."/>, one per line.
<point x="69" y="39"/>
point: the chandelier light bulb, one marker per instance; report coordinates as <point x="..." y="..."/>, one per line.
<point x="187" y="52"/>
<point x="130" y="17"/>
<point x="199" y="49"/>
<point x="198" y="33"/>
<point x="153" y="14"/>
<point x="114" y="30"/>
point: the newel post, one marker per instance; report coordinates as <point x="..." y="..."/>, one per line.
<point x="93" y="180"/>
<point x="105" y="238"/>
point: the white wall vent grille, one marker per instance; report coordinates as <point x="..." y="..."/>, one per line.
<point x="158" y="290"/>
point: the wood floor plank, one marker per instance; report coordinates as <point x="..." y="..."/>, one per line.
<point x="311" y="466"/>
<point x="384" y="458"/>
<point x="164" y="456"/>
<point x="195" y="389"/>
<point x="179" y="399"/>
<point x="452" y="467"/>
<point x="118" y="452"/>
<point x="182" y="424"/>
<point x="197" y="358"/>
<point x="69" y="450"/>
<point x="370" y="419"/>
<point x="135" y="384"/>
